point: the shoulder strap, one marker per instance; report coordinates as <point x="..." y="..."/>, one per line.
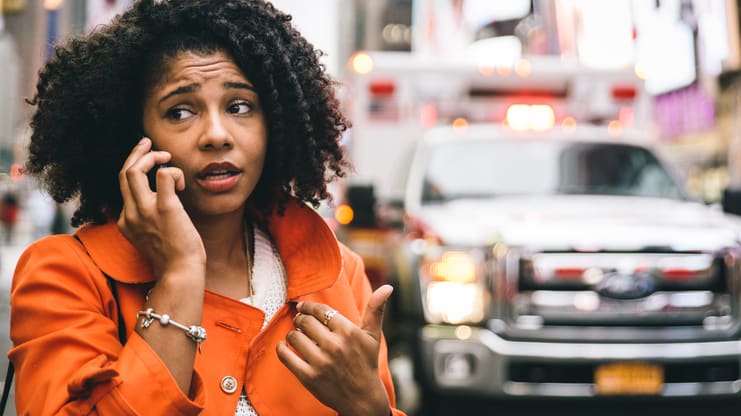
<point x="6" y="386"/>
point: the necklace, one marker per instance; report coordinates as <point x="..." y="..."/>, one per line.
<point x="249" y="252"/>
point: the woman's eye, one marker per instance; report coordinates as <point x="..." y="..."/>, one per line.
<point x="242" y="107"/>
<point x="178" y="114"/>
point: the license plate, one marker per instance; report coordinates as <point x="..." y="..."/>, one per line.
<point x="629" y="378"/>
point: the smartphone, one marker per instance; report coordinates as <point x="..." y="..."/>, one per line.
<point x="152" y="174"/>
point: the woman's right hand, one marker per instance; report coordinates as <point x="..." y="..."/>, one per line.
<point x="156" y="222"/>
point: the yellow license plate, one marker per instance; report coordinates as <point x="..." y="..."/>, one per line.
<point x="629" y="378"/>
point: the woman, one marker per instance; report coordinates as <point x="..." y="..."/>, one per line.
<point x="216" y="289"/>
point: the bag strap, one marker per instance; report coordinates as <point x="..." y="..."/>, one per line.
<point x="121" y="337"/>
<point x="6" y="387"/>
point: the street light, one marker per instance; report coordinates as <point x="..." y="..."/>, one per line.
<point x="53" y="4"/>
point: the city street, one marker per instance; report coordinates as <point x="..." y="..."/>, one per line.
<point x="8" y="256"/>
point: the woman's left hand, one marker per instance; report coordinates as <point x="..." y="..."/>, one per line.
<point x="337" y="360"/>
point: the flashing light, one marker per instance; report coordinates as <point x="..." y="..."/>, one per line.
<point x="344" y="214"/>
<point x="624" y="92"/>
<point x="382" y="88"/>
<point x="538" y="117"/>
<point x="361" y="63"/>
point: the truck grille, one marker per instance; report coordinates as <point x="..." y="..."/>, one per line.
<point x="620" y="290"/>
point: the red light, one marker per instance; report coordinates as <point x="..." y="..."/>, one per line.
<point x="381" y="88"/>
<point x="624" y="92"/>
<point x="679" y="274"/>
<point x="568" y="273"/>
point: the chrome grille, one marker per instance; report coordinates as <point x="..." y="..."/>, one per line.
<point x="616" y="289"/>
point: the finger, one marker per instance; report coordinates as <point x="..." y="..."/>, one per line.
<point x="305" y="347"/>
<point x="292" y="361"/>
<point x="311" y="326"/>
<point x="322" y="313"/>
<point x="169" y="180"/>
<point x="136" y="175"/>
<point x="373" y="316"/>
<point x="141" y="148"/>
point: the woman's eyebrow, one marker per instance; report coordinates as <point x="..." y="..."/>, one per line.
<point x="181" y="90"/>
<point x="239" y="85"/>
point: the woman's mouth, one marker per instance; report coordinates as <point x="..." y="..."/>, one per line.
<point x="219" y="177"/>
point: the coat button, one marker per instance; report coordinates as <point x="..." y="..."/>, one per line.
<point x="229" y="384"/>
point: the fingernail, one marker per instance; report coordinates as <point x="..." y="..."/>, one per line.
<point x="143" y="140"/>
<point x="298" y="305"/>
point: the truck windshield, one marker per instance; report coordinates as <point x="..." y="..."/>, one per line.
<point x="485" y="169"/>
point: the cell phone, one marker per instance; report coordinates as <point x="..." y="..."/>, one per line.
<point x="152" y="174"/>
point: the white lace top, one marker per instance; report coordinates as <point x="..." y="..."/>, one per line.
<point x="269" y="285"/>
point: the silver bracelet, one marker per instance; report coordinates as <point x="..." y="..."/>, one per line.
<point x="195" y="332"/>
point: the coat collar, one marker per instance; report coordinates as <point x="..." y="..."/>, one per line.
<point x="308" y="248"/>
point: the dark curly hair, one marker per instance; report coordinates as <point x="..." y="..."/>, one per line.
<point x="90" y="95"/>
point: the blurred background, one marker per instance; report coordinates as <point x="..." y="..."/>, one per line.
<point x="667" y="69"/>
<point x="692" y="84"/>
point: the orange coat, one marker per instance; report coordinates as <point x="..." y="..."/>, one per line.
<point x="69" y="360"/>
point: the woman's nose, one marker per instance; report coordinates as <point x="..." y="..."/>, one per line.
<point x="216" y="135"/>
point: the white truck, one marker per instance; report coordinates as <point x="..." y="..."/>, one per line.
<point x="548" y="251"/>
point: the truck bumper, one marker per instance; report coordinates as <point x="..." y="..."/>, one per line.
<point x="471" y="360"/>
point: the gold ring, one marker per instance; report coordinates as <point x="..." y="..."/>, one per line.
<point x="328" y="315"/>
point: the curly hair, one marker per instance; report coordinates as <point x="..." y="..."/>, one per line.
<point x="89" y="100"/>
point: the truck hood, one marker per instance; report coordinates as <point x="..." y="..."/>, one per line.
<point x="569" y="222"/>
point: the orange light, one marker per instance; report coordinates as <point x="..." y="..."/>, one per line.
<point x="17" y="171"/>
<point x="344" y="214"/>
<point x="568" y="124"/>
<point x="486" y="70"/>
<point x="538" y="117"/>
<point x="614" y="129"/>
<point x="504" y="70"/>
<point x="460" y="123"/>
<point x="523" y="67"/>
<point x="361" y="63"/>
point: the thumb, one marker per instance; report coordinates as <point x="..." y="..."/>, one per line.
<point x="373" y="317"/>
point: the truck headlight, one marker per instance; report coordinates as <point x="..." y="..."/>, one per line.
<point x="453" y="284"/>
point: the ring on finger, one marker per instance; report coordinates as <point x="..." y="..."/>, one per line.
<point x="328" y="315"/>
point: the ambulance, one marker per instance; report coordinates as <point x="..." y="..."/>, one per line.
<point x="540" y="244"/>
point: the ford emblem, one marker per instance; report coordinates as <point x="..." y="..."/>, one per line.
<point x="622" y="286"/>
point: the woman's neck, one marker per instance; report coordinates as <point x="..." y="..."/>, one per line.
<point x="223" y="237"/>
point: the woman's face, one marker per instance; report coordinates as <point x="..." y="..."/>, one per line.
<point x="206" y="113"/>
